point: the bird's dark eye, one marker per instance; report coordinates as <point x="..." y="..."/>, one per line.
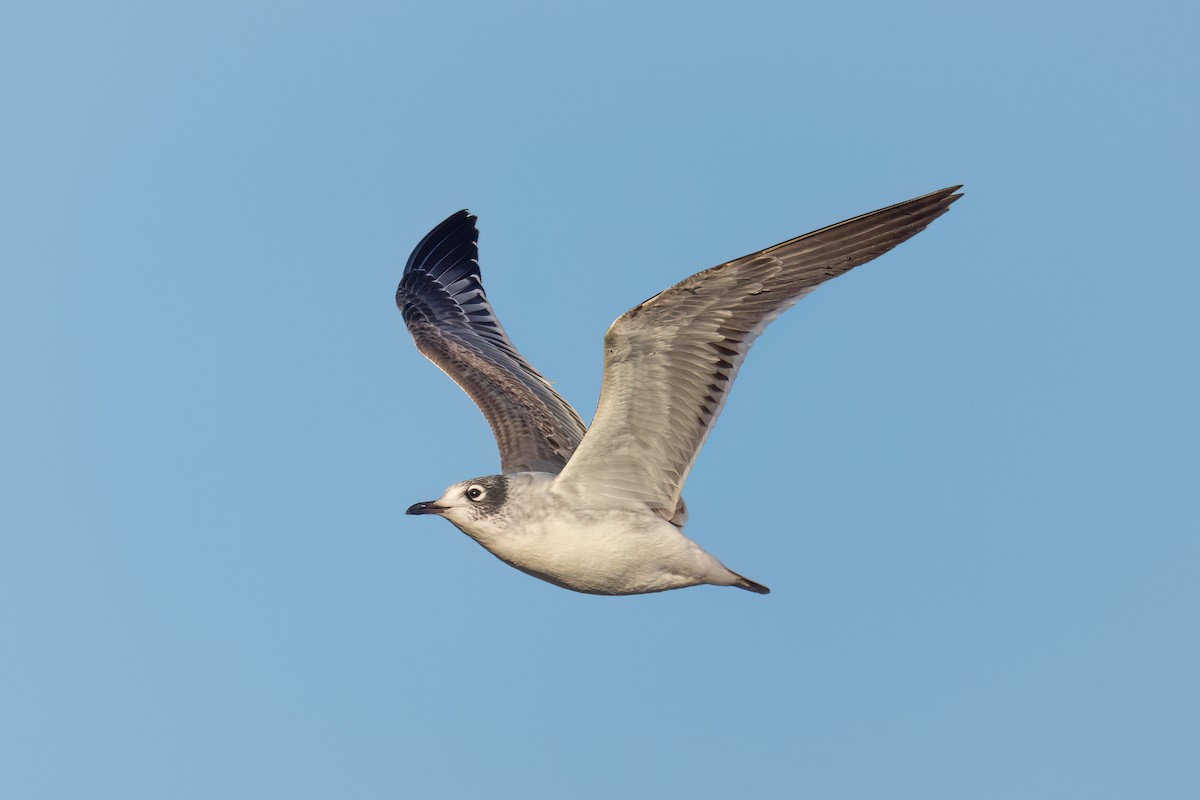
<point x="474" y="493"/>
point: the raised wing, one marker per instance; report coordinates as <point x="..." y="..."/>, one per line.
<point x="669" y="363"/>
<point x="450" y="319"/>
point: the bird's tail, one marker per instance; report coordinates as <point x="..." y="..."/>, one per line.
<point x="750" y="586"/>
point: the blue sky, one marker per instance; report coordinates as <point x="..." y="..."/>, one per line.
<point x="967" y="470"/>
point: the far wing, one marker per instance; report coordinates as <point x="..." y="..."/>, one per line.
<point x="448" y="314"/>
<point x="669" y="363"/>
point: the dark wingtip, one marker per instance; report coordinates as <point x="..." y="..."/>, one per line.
<point x="942" y="198"/>
<point x="923" y="210"/>
<point x="456" y="236"/>
<point x="948" y="195"/>
<point x="448" y="253"/>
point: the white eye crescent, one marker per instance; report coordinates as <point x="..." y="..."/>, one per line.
<point x="475" y="492"/>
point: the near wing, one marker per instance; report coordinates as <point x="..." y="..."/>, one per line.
<point x="449" y="317"/>
<point x="669" y="362"/>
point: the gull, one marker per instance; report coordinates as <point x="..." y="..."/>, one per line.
<point x="600" y="510"/>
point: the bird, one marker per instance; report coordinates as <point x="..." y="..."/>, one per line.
<point x="599" y="510"/>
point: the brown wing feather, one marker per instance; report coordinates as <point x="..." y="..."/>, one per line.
<point x="670" y="362"/>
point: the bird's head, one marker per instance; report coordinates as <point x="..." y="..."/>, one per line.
<point x="469" y="505"/>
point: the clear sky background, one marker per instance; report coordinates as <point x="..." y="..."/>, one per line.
<point x="968" y="471"/>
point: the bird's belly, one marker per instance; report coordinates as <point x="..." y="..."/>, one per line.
<point x="609" y="553"/>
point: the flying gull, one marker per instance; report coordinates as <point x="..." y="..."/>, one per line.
<point x="599" y="510"/>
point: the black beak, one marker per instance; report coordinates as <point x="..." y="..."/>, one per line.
<point x="425" y="508"/>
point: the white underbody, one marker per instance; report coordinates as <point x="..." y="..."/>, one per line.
<point x="584" y="546"/>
